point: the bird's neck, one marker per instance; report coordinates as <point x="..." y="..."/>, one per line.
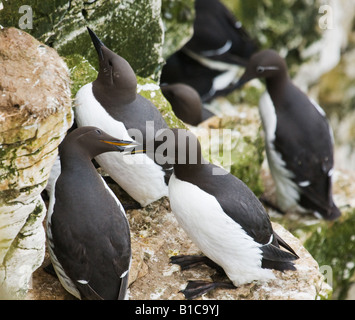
<point x="113" y="97"/>
<point x="276" y="85"/>
<point x="185" y="171"/>
<point x="75" y="160"/>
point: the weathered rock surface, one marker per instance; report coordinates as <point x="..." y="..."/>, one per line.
<point x="133" y="29"/>
<point x="35" y="112"/>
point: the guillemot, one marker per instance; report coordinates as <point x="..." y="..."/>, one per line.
<point x="186" y="103"/>
<point x="222" y="216"/>
<point x="299" y="139"/>
<point x="88" y="234"/>
<point x="215" y="55"/>
<point x="111" y="102"/>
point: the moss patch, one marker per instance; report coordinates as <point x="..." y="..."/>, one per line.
<point x="81" y="72"/>
<point x="334" y="245"/>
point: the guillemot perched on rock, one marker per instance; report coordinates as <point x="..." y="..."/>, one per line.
<point x="88" y="233"/>
<point x="217" y="52"/>
<point x="299" y="140"/>
<point x="111" y="102"/>
<point x="222" y="217"/>
<point x="186" y="103"/>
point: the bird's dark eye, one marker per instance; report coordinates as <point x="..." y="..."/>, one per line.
<point x="260" y="69"/>
<point x="98" y="131"/>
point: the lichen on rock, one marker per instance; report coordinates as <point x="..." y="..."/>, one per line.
<point x="35" y="112"/>
<point x="178" y="17"/>
<point x="131" y="28"/>
<point x="233" y="140"/>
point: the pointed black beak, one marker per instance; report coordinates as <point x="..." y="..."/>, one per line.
<point x="233" y="86"/>
<point x="242" y="81"/>
<point x="97" y="43"/>
<point x="121" y="145"/>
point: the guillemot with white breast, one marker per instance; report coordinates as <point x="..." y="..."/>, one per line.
<point x="111" y="102"/>
<point x="299" y="139"/>
<point x="222" y="217"/>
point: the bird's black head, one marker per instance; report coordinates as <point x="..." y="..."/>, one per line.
<point x="115" y="73"/>
<point x="178" y="147"/>
<point x="263" y="64"/>
<point x="92" y="141"/>
<point x="185" y="102"/>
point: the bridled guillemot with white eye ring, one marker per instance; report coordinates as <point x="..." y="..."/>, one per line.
<point x="299" y="140"/>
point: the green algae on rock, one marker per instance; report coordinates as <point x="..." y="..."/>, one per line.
<point x="131" y="28"/>
<point x="81" y="72"/>
<point x="151" y="91"/>
<point x="178" y="18"/>
<point x="334" y="246"/>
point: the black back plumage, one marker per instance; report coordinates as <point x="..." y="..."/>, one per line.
<point x="215" y="27"/>
<point x="303" y="139"/>
<point x="218" y="37"/>
<point x="89" y="233"/>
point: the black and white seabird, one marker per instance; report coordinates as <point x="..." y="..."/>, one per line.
<point x="299" y="140"/>
<point x="222" y="217"/>
<point x="111" y="102"/>
<point x="88" y="234"/>
<point x="217" y="52"/>
<point x="186" y="103"/>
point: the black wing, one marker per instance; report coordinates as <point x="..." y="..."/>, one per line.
<point x="240" y="204"/>
<point x="218" y="35"/>
<point x="93" y="249"/>
<point x="304" y="140"/>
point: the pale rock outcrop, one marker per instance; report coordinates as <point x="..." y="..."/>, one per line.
<point x="35" y="113"/>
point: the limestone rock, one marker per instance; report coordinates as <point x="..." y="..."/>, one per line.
<point x="35" y="112"/>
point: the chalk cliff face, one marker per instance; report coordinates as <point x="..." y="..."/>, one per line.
<point x="35" y="112"/>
